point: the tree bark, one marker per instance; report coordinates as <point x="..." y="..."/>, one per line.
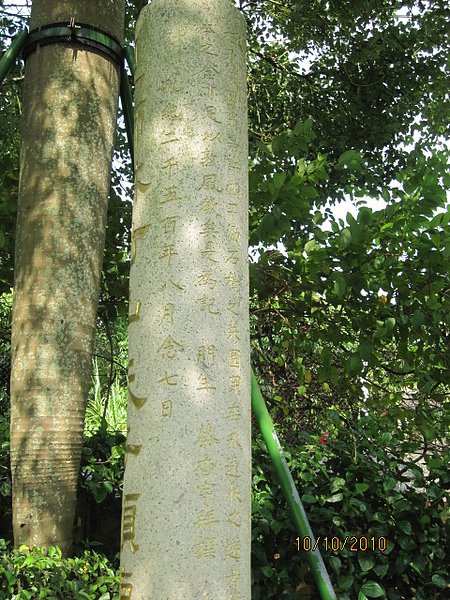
<point x="69" y="119"/>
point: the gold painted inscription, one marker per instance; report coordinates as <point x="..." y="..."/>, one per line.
<point x="234" y="359"/>
<point x="168" y="253"/>
<point x="206" y="278"/>
<point x="169" y="379"/>
<point x="206" y="355"/>
<point x="170" y="348"/>
<point x="166" y="408"/>
<point x="128" y="521"/>
<point x="234" y="517"/>
<point x="133" y="449"/>
<point x="233" y="549"/>
<point x="235" y="383"/>
<point x="210" y="252"/>
<point x="234" y="493"/>
<point x="204" y="466"/>
<point x="126" y="591"/>
<point x="234" y="411"/>
<point x="137" y="234"/>
<point x="138" y="403"/>
<point x="233" y="577"/>
<point x="206" y="519"/>
<point x="167" y="314"/>
<point x="206" y="437"/>
<point x="232" y="281"/>
<point x="170" y="224"/>
<point x="206" y="548"/>
<point x="232" y="468"/>
<point x="204" y="383"/>
<point x="134" y="317"/>
<point x="207" y="304"/>
<point x="169" y="166"/>
<point x="233" y="439"/>
<point x="206" y="490"/>
<point x="233" y="333"/>
<point x="209" y="183"/>
<point x="233" y="306"/>
<point x="209" y="205"/>
<point x="170" y="195"/>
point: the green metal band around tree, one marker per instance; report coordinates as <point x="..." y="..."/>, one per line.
<point x="75" y="33"/>
<point x="88" y="37"/>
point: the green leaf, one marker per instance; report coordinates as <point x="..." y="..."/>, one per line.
<point x="116" y="451"/>
<point x="366" y="561"/>
<point x="309" y="499"/>
<point x="337" y="483"/>
<point x="311" y="246"/>
<point x="356" y="364"/>
<point x="325" y="357"/>
<point x="339" y="286"/>
<point x="365" y="349"/>
<point x="439" y="581"/>
<point x="335" y="498"/>
<point x="372" y="589"/>
<point x="365" y="215"/>
<point x="335" y="563"/>
<point x="345" y="582"/>
<point x="5" y="488"/>
<point x="418" y="318"/>
<point x="405" y="527"/>
<point x="389" y="324"/>
<point x="108" y="485"/>
<point x="428" y="432"/>
<point x="344" y="239"/>
<point x="351" y="159"/>
<point x="279" y="179"/>
<point x="385" y="438"/>
<point x="361" y="487"/>
<point x="389" y="484"/>
<point x="381" y="570"/>
<point x="267" y="570"/>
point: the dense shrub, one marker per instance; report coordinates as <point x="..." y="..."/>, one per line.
<point x="32" y="574"/>
<point x="361" y="483"/>
<point x="357" y="481"/>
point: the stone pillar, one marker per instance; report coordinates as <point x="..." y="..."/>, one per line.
<point x="186" y="511"/>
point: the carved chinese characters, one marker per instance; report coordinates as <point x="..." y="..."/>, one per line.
<point x="186" y="510"/>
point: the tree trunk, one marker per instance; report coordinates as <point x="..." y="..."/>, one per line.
<point x="69" y="119"/>
<point x="186" y="507"/>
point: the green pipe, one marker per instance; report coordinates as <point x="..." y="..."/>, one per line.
<point x="275" y="450"/>
<point x="9" y="57"/>
<point x="129" y="56"/>
<point x="126" y="96"/>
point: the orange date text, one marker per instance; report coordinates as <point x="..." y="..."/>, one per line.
<point x="353" y="543"/>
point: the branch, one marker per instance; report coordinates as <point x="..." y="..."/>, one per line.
<point x="277" y="65"/>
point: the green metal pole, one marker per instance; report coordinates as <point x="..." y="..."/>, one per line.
<point x="129" y="55"/>
<point x="289" y="490"/>
<point x="12" y="53"/>
<point x="126" y="95"/>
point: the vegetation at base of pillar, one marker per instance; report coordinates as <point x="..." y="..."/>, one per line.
<point x="350" y="313"/>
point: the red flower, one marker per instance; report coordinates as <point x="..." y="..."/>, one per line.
<point x="323" y="438"/>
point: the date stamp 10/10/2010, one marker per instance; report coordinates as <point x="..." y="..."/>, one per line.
<point x="353" y="543"/>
